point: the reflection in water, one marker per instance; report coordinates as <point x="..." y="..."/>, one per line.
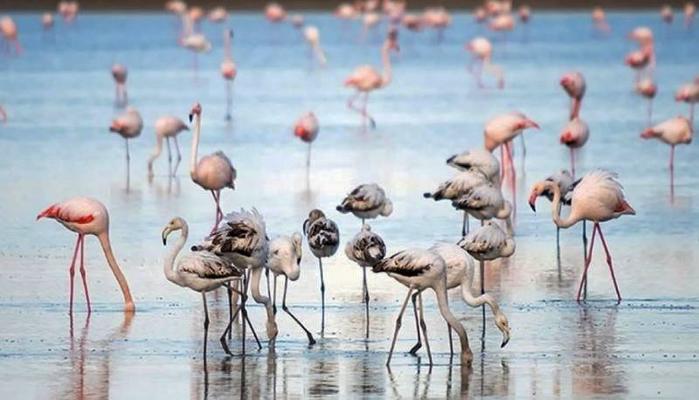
<point x="324" y="374"/>
<point x="369" y="379"/>
<point x="172" y="188"/>
<point x="594" y="371"/>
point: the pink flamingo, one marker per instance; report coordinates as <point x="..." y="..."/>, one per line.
<point x="574" y="84"/>
<point x="689" y="11"/>
<point x="213" y="172"/>
<point x="366" y="78"/>
<point x="345" y="11"/>
<point x="574" y="135"/>
<point x="165" y="128"/>
<point x="644" y="59"/>
<point x="119" y="72"/>
<point x="128" y="125"/>
<point x="86" y="216"/>
<point x="306" y="129"/>
<point x="482" y="50"/>
<point x="47" y="20"/>
<point x="599" y="18"/>
<point x="666" y="14"/>
<point x="217" y="15"/>
<point x="275" y="13"/>
<point x="597" y="197"/>
<point x="524" y="13"/>
<point x="502" y="23"/>
<point x="689" y="93"/>
<point x="68" y="10"/>
<point x="648" y="89"/>
<point x="437" y="18"/>
<point x="228" y="70"/>
<point x="8" y="30"/>
<point x="500" y="131"/>
<point x="673" y="131"/>
<point x="3" y="115"/>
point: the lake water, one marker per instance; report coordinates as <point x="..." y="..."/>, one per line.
<point x="59" y="97"/>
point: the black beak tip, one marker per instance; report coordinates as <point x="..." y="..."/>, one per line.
<point x="504" y="343"/>
<point x="164" y="241"/>
<point x="533" y="206"/>
<point x="190" y="118"/>
<point x="450" y="159"/>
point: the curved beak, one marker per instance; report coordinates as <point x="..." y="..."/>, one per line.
<point x="164" y="235"/>
<point x="505" y="339"/>
<point x="532" y="200"/>
<point x="305" y="225"/>
<point x="531" y="124"/>
<point x="451" y="159"/>
<point x="190" y="117"/>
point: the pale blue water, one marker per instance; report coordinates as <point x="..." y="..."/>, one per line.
<point x="59" y="97"/>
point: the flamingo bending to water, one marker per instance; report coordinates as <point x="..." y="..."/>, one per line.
<point x="366" y="78"/>
<point x="214" y="172"/>
<point x="597" y="197"/>
<point x="323" y="240"/>
<point x="86" y="216"/>
<point x="418" y="270"/>
<point x="167" y="127"/>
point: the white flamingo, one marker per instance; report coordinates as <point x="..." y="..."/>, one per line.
<point x="213" y="172"/>
<point x="477" y="160"/>
<point x="323" y="239"/>
<point x="312" y="37"/>
<point x="120" y="73"/>
<point x="167" y="127"/>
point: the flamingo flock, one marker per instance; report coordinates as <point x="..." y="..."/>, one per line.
<point x="237" y="251"/>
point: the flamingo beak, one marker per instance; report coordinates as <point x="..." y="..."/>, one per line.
<point x="164" y="235"/>
<point x="648" y="133"/>
<point x="532" y="200"/>
<point x="115" y="126"/>
<point x="531" y="124"/>
<point x="505" y="341"/>
<point x="190" y="117"/>
<point x="451" y="159"/>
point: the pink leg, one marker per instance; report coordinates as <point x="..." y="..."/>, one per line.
<point x="572" y="162"/>
<point x="366" y="115"/>
<point x="514" y="177"/>
<point x="219" y="215"/>
<point x="672" y="168"/>
<point x="82" y="271"/>
<point x="588" y="261"/>
<point x="72" y="272"/>
<point x="609" y="262"/>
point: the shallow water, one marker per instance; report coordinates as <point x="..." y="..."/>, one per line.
<point x="59" y="96"/>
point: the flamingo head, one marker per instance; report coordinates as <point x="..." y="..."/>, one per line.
<point x="527" y="123"/>
<point x="504" y="327"/>
<point x="539" y="189"/>
<point x="313" y="216"/>
<point x="116" y="126"/>
<point x="196" y="111"/>
<point x="649" y="133"/>
<point x="175" y="224"/>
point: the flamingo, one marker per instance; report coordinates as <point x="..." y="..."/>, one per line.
<point x="666" y="14"/>
<point x="306" y="129"/>
<point x="128" y="125"/>
<point x="524" y="13"/>
<point x="503" y="22"/>
<point x="420" y="269"/>
<point x="412" y="22"/>
<point x="242" y="241"/>
<point x="366" y="79"/>
<point x="47" y="20"/>
<point x="218" y="15"/>
<point x="477" y="160"/>
<point x="599" y="17"/>
<point x="574" y="135"/>
<point x="86" y="216"/>
<point x="366" y="201"/>
<point x="485" y="202"/>
<point x="673" y="131"/>
<point x="69" y="10"/>
<point x="366" y="249"/>
<point x="482" y="50"/>
<point x="214" y="172"/>
<point x="167" y="127"/>
<point x="437" y="18"/>
<point x="455" y="188"/>
<point x="284" y="259"/>
<point x="574" y="85"/>
<point x="460" y="274"/>
<point x="8" y="30"/>
<point x="275" y="13"/>
<point x="565" y="181"/>
<point x="176" y="6"/>
<point x="193" y="41"/>
<point x="644" y="58"/>
<point x="323" y="240"/>
<point x="228" y="70"/>
<point x="689" y="11"/>
<point x="689" y="93"/>
<point x="199" y="271"/>
<point x="312" y="37"/>
<point x="647" y="88"/>
<point x="598" y="197"/>
<point x="120" y="73"/>
<point x="480" y="15"/>
<point x="370" y="20"/>
<point x="297" y="20"/>
<point x="345" y="11"/>
<point x="3" y="115"/>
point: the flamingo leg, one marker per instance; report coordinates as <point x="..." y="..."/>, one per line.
<point x="572" y="161"/>
<point x="322" y="297"/>
<point x="609" y="262"/>
<point x="179" y="156"/>
<point x="650" y="112"/>
<point x="362" y="110"/>
<point x="206" y="320"/>
<point x="229" y="99"/>
<point x="83" y="274"/>
<point x="524" y="148"/>
<point x="229" y="290"/>
<point x="311" y="341"/>
<point x="502" y="163"/>
<point x="128" y="162"/>
<point x="511" y="163"/>
<point x="219" y="214"/>
<point x="423" y="325"/>
<point x="451" y="341"/>
<point x="71" y="271"/>
<point x="417" y="345"/>
<point x="588" y="261"/>
<point x="366" y="300"/>
<point x="464" y="226"/>
<point x="584" y="238"/>
<point x="398" y="324"/>
<point x="482" y="271"/>
<point x="372" y="123"/>
<point x="169" y="156"/>
<point x="274" y="296"/>
<point x="558" y="248"/>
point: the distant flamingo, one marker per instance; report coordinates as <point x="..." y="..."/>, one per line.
<point x="482" y="51"/>
<point x="524" y="13"/>
<point x="201" y="271"/>
<point x="366" y="249"/>
<point x="8" y="30"/>
<point x="86" y="216"/>
<point x="312" y="37"/>
<point x="437" y="18"/>
<point x="689" y="11"/>
<point x="275" y="13"/>
<point x="284" y="258"/>
<point x="370" y="20"/>
<point x="120" y="73"/>
<point x="673" y="131"/>
<point x="689" y="93"/>
<point x="165" y="128"/>
<point x="574" y="85"/>
<point x="574" y="135"/>
<point x="666" y="14"/>
<point x="419" y="270"/>
<point x="642" y="60"/>
<point x="598" y="197"/>
<point x="3" y="115"/>
<point x="68" y="10"/>
<point x="503" y="22"/>
<point x="366" y="79"/>
<point x="306" y="129"/>
<point x="323" y="240"/>
<point x="218" y="15"/>
<point x="47" y="20"/>
<point x="128" y="125"/>
<point x="599" y="18"/>
<point x="213" y="172"/>
<point x="412" y="22"/>
<point x="297" y="20"/>
<point x="228" y="70"/>
<point x="647" y="88"/>
<point x="345" y="11"/>
<point x="192" y="40"/>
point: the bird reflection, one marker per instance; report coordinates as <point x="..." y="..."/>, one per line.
<point x="324" y="377"/>
<point x="172" y="188"/>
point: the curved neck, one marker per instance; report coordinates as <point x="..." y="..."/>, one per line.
<point x="440" y="291"/>
<point x="255" y="276"/>
<point x="156" y="152"/>
<point x="195" y="145"/>
<point x="387" y="73"/>
<point x="575" y="109"/>
<point x="121" y="280"/>
<point x="470" y="299"/>
<point x="556" y="209"/>
<point x="169" y="264"/>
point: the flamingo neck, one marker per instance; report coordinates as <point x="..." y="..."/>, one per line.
<point x="169" y="264"/>
<point x="387" y="73"/>
<point x="156" y="152"/>
<point x="255" y="276"/>
<point x="556" y="209"/>
<point x="470" y="299"/>
<point x="121" y="279"/>
<point x="227" y="45"/>
<point x="195" y="146"/>
<point x="440" y="291"/>
<point x="575" y="110"/>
